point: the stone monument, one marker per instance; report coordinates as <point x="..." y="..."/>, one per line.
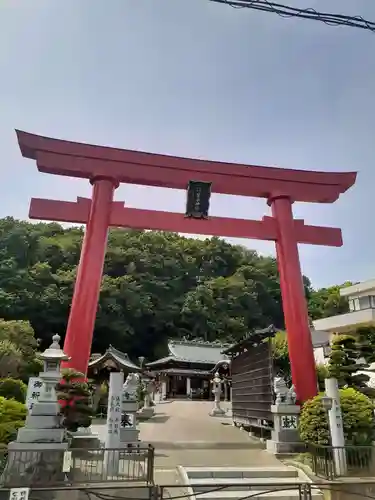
<point x="37" y="455"/>
<point x="285" y="437"/>
<point x="113" y="427"/>
<point x="216" y="382"/>
<point x="128" y="431"/>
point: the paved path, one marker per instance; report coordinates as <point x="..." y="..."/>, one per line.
<point x="183" y="433"/>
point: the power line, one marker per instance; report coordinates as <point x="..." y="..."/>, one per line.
<point x="309" y="13"/>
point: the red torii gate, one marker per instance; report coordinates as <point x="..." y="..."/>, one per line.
<point x="107" y="167"/>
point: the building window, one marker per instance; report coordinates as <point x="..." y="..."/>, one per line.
<point x="361" y="303"/>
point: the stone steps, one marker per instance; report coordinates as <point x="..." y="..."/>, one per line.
<point x="234" y="483"/>
<point x="245" y="484"/>
<point x="240" y="472"/>
<point x="291" y="494"/>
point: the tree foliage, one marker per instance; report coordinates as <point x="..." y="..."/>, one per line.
<point x="75" y="400"/>
<point x="12" y="417"/>
<point x="11" y="388"/>
<point x="280" y="355"/>
<point x="327" y="302"/>
<point x="18" y="356"/>
<point x="155" y="286"/>
<point x="347" y="362"/>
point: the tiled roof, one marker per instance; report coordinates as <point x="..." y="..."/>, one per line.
<point x="198" y="352"/>
<point x="192" y="352"/>
<point x="182" y="371"/>
<point x="119" y="357"/>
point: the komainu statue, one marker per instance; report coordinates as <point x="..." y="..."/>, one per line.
<point x="129" y="390"/>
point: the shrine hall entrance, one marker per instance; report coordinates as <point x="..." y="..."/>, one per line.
<point x="106" y="168"/>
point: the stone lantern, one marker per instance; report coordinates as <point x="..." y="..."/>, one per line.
<point x="217" y="411"/>
<point x="43" y="422"/>
<point x="42" y="441"/>
<point x="52" y="358"/>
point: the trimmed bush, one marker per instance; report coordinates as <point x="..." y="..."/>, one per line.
<point x="11" y="388"/>
<point x="357" y="414"/>
<point x="12" y="417"/>
<point x="75" y="400"/>
<point x="8" y="431"/>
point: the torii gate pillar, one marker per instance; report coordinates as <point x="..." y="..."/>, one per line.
<point x="107" y="167"/>
<point x="301" y="354"/>
<point x="82" y="315"/>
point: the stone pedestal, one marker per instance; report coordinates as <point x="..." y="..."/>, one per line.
<point x="217" y="411"/>
<point x="147" y="411"/>
<point x="85" y="438"/>
<point x="129" y="434"/>
<point x="285" y="437"/>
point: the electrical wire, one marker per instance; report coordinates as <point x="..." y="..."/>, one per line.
<point x="309" y="13"/>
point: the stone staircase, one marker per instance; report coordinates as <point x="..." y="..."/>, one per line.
<point x="242" y="482"/>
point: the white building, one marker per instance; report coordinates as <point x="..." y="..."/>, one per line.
<point x="361" y="298"/>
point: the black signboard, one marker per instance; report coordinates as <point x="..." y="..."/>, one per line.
<point x="198" y="199"/>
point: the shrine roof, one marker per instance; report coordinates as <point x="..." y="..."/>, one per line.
<point x="252" y="338"/>
<point x="193" y="352"/>
<point x="119" y="357"/>
<point x="186" y="371"/>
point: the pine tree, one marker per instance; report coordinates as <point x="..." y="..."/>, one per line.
<point x="346" y="360"/>
<point x="75" y="400"/>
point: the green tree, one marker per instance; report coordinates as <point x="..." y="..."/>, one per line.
<point x="280" y="354"/>
<point x="156" y="286"/>
<point x="346" y="363"/>
<point x="327" y="302"/>
<point x="75" y="400"/>
<point x="10" y="359"/>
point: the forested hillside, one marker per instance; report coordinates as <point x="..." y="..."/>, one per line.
<point x="156" y="286"/>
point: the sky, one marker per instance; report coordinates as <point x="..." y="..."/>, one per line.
<point x="198" y="79"/>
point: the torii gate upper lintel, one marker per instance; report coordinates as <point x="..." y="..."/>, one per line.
<point x="107" y="167"/>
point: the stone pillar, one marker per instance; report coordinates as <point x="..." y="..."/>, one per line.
<point x="188" y="387"/>
<point x="113" y="427"/>
<point x="129" y="432"/>
<point x="225" y="390"/>
<point x="336" y="426"/>
<point x="285" y="437"/>
<point x="163" y="392"/>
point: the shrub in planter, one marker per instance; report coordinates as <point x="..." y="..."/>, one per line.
<point x="358" y="419"/>
<point x="12" y="388"/>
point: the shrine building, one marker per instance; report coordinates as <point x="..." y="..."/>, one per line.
<point x="188" y="368"/>
<point x="113" y="360"/>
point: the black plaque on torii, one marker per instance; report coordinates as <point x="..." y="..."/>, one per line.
<point x="198" y="199"/>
